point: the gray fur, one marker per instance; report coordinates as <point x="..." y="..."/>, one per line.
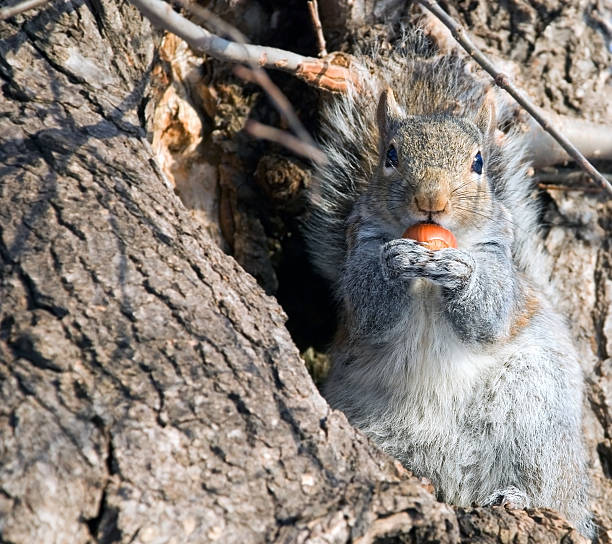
<point x="453" y="361"/>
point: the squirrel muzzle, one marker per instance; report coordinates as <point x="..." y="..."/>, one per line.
<point x="432" y="195"/>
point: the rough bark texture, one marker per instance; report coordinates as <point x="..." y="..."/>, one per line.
<point x="149" y="390"/>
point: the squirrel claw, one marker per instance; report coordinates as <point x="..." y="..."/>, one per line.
<point x="511" y="497"/>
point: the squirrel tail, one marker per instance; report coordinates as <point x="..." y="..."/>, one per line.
<point x="349" y="141"/>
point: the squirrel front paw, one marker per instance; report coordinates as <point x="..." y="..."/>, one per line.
<point x="511" y="497"/>
<point x="403" y="259"/>
<point x="406" y="259"/>
<point x="450" y="268"/>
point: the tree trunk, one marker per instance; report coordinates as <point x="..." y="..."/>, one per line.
<point x="149" y="390"/>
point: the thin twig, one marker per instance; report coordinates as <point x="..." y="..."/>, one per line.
<point x="313" y="8"/>
<point x="11" y="11"/>
<point x="281" y="137"/>
<point x="568" y="188"/>
<point x="502" y="81"/>
<point x="280" y="101"/>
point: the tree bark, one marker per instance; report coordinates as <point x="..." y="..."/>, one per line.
<point x="149" y="390"/>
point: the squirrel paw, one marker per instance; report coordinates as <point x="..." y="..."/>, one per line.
<point x="511" y="497"/>
<point x="406" y="259"/>
<point x="450" y="268"/>
<point x="403" y="259"/>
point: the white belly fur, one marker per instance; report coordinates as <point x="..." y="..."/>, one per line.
<point x="426" y="373"/>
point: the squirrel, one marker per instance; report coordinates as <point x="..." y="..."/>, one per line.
<point x="453" y="361"/>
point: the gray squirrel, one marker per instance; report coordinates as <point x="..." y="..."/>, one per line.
<point x="453" y="361"/>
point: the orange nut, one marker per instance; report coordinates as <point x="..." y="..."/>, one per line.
<point x="432" y="236"/>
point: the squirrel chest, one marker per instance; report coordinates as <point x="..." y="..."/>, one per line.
<point x="428" y="370"/>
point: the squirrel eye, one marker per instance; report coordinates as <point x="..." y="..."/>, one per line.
<point x="392" y="160"/>
<point x="477" y="164"/>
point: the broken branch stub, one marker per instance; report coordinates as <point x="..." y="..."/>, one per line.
<point x="336" y="72"/>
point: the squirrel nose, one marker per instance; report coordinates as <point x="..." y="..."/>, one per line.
<point x="431" y="203"/>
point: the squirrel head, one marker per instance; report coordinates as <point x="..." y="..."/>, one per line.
<point x="432" y="167"/>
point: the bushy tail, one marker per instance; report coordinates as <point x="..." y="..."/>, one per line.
<point x="349" y="141"/>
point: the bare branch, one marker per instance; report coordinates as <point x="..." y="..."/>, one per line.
<point x="11" y="11"/>
<point x="281" y="137"/>
<point x="502" y="81"/>
<point x="202" y="41"/>
<point x="331" y="73"/>
<point x="592" y="139"/>
<point x="336" y="72"/>
<point x="313" y="8"/>
<point x="571" y="179"/>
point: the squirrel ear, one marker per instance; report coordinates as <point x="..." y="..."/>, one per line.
<point x="388" y="113"/>
<point x="486" y="119"/>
